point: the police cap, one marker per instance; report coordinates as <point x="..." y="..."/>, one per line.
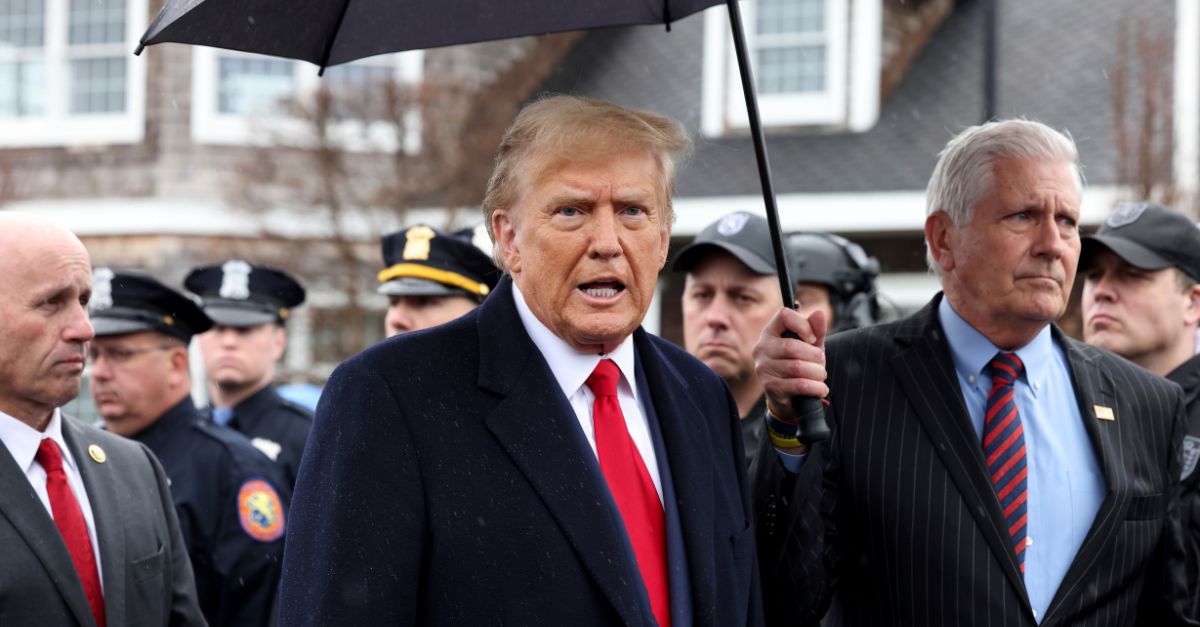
<point x="744" y="235"/>
<point x="1148" y="236"/>
<point x="426" y="261"/>
<point x="129" y="302"/>
<point x="240" y="294"/>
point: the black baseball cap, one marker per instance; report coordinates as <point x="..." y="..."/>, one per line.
<point x="240" y="294"/>
<point x="426" y="261"/>
<point x="130" y="302"/>
<point x="744" y="235"/>
<point x="1148" y="236"/>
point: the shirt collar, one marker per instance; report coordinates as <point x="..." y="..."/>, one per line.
<point x="972" y="351"/>
<point x="570" y="367"/>
<point x="22" y="440"/>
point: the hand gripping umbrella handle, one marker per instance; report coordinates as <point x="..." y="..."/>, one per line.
<point x="810" y="415"/>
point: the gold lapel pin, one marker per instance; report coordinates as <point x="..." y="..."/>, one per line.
<point x="97" y="454"/>
<point x="1103" y="413"/>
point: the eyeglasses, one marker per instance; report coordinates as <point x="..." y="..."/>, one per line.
<point x="120" y="354"/>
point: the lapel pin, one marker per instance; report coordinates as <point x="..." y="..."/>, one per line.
<point x="97" y="454"/>
<point x="1103" y="413"/>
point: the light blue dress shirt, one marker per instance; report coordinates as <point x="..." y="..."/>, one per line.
<point x="1066" y="485"/>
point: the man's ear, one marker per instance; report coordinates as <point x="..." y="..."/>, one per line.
<point x="506" y="240"/>
<point x="278" y="341"/>
<point x="938" y="228"/>
<point x="664" y="246"/>
<point x="1192" y="316"/>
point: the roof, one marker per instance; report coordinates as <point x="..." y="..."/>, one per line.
<point x="1054" y="63"/>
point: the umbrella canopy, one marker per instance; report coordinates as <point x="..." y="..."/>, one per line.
<point x="326" y="32"/>
<point x="329" y="32"/>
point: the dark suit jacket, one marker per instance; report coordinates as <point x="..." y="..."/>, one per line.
<point x="897" y="514"/>
<point x="146" y="575"/>
<point x="447" y="482"/>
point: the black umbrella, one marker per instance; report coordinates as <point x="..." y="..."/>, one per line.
<point x="327" y="32"/>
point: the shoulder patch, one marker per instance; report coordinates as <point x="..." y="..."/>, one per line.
<point x="1191" y="454"/>
<point x="260" y="511"/>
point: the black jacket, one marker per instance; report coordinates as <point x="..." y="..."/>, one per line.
<point x="231" y="502"/>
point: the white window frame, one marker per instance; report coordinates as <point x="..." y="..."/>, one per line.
<point x="211" y="126"/>
<point x="58" y="126"/>
<point x="851" y="94"/>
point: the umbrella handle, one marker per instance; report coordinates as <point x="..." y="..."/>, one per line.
<point x="810" y="412"/>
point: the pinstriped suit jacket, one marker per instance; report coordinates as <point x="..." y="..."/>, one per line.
<point x="897" y="516"/>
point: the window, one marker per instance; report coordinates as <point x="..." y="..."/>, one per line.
<point x="805" y="72"/>
<point x="241" y="98"/>
<point x="66" y="75"/>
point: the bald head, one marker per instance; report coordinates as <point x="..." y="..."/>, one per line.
<point x="46" y="278"/>
<point x="24" y="233"/>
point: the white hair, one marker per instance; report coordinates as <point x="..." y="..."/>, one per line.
<point x="965" y="171"/>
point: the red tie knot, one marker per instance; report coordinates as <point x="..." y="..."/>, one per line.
<point x="603" y="380"/>
<point x="1006" y="367"/>
<point x="49" y="456"/>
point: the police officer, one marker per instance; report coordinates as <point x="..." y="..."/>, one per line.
<point x="228" y="495"/>
<point x="1141" y="300"/>
<point x="731" y="292"/>
<point x="431" y="277"/>
<point x="249" y="305"/>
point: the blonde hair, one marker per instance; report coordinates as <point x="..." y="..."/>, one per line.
<point x="555" y="129"/>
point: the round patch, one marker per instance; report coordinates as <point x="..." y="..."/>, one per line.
<point x="732" y="224"/>
<point x="1127" y="213"/>
<point x="260" y="511"/>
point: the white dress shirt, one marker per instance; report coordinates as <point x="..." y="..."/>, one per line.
<point x="571" y="369"/>
<point x="22" y="442"/>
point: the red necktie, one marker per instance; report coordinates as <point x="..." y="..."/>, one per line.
<point x="69" y="520"/>
<point x="1004" y="449"/>
<point x="631" y="488"/>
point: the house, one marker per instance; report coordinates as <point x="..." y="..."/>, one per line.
<point x="181" y="155"/>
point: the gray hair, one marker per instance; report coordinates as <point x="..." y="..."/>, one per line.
<point x="965" y="174"/>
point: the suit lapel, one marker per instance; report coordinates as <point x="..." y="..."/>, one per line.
<point x="1094" y="387"/>
<point x="537" y="428"/>
<point x="101" y="485"/>
<point x="684" y="433"/>
<point x="25" y="511"/>
<point x="926" y="373"/>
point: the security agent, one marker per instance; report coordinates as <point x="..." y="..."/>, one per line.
<point x="835" y="275"/>
<point x="431" y="277"/>
<point x="248" y="305"/>
<point x="1141" y="300"/>
<point x="731" y="292"/>
<point x="228" y="495"/>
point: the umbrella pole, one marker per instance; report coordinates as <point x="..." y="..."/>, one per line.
<point x="810" y="413"/>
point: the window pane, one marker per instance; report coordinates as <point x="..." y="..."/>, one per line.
<point x="22" y="23"/>
<point x="356" y="77"/>
<point x="790" y="16"/>
<point x="359" y="90"/>
<point x="22" y="89"/>
<point x="791" y="69"/>
<point x="96" y="22"/>
<point x="97" y="85"/>
<point x="253" y="86"/>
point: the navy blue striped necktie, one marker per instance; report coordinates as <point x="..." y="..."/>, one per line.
<point x="1004" y="449"/>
